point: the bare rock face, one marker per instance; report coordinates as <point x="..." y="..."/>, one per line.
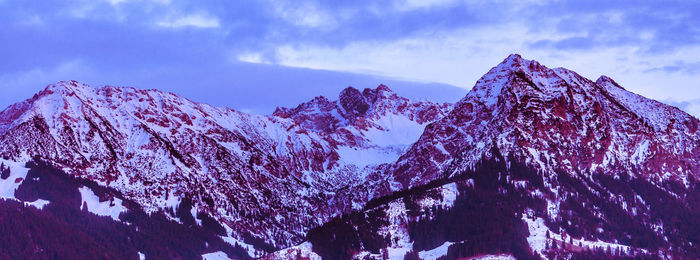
<point x="353" y="102"/>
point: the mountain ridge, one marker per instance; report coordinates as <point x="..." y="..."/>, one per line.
<point x="519" y="89"/>
<point x="236" y="166"/>
<point x="547" y="142"/>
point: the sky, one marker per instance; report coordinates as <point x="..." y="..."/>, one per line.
<point x="254" y="55"/>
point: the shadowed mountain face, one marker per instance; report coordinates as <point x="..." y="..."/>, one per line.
<point x="528" y="151"/>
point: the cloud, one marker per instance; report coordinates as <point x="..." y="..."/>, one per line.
<point x="456" y="58"/>
<point x="18" y="86"/>
<point x="408" y="5"/>
<point x="678" y="66"/>
<point x="242" y="86"/>
<point x="32" y="20"/>
<point x="304" y="14"/>
<point x="690" y="106"/>
<point x="564" y="44"/>
<point x="252" y="57"/>
<point x="119" y="2"/>
<point x="116" y="2"/>
<point x="651" y="47"/>
<point x="460" y="57"/>
<point x="192" y="20"/>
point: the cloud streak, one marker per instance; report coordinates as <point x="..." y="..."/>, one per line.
<point x="652" y="48"/>
<point x="192" y="20"/>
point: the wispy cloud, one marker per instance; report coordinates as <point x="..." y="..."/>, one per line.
<point x="457" y="58"/>
<point x="252" y="57"/>
<point x="191" y="20"/>
<point x="408" y="5"/>
<point x="116" y="2"/>
<point x="19" y="85"/>
<point x="650" y="47"/>
<point x="305" y="14"/>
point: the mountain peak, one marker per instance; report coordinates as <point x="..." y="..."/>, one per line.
<point x="64" y="87"/>
<point x="513" y="59"/>
<point x="520" y="105"/>
<point x="383" y="88"/>
<point x="517" y="63"/>
<point x="506" y="74"/>
<point x="378" y="93"/>
<point x="604" y="80"/>
<point x="353" y="102"/>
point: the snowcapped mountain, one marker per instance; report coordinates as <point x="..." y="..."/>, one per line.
<point x="554" y="119"/>
<point x="536" y="155"/>
<point x="270" y="176"/>
<point x="532" y="163"/>
<point x="374" y="121"/>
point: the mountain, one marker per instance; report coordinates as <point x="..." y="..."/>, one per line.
<point x="374" y="126"/>
<point x="532" y="163"/>
<point x="268" y="179"/>
<point x="554" y="119"/>
<point x="529" y="157"/>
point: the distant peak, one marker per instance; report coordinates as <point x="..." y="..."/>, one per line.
<point x="349" y="92"/>
<point x="320" y="99"/>
<point x="353" y="101"/>
<point x="64" y="88"/>
<point x="607" y="80"/>
<point x="514" y="58"/>
<point x="515" y="62"/>
<point x="67" y="85"/>
<point x="380" y="92"/>
<point x="349" y="89"/>
<point x="509" y="74"/>
<point x="383" y="88"/>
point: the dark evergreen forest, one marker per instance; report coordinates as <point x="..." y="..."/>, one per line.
<point x="61" y="230"/>
<point x="486" y="217"/>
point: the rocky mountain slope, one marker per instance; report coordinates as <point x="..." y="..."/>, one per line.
<point x="534" y="152"/>
<point x="554" y="119"/>
<point x="532" y="163"/>
<point x="271" y="177"/>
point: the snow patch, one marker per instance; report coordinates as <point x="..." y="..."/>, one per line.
<point x="39" y="203"/>
<point x="105" y="208"/>
<point x="363" y="157"/>
<point x="231" y="240"/>
<point x="538" y="234"/>
<point x="397" y="230"/>
<point x="494" y="257"/>
<point x="449" y="195"/>
<point x="18" y="173"/>
<point x="538" y="237"/>
<point x="215" y="256"/>
<point x="396" y="130"/>
<point x="302" y="251"/>
<point x="193" y="212"/>
<point x="436" y="252"/>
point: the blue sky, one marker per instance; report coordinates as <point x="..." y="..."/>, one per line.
<point x="257" y="54"/>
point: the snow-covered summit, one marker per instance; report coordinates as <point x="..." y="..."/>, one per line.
<point x="157" y="148"/>
<point x="370" y="118"/>
<point x="555" y="119"/>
